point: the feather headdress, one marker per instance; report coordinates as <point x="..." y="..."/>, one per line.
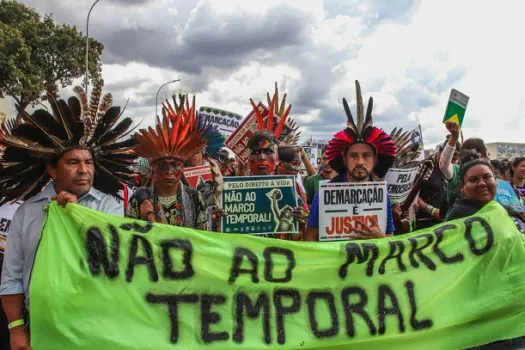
<point x="362" y="132"/>
<point x="407" y="150"/>
<point x="277" y="122"/>
<point x="212" y="136"/>
<point x="175" y="136"/>
<point x="32" y="144"/>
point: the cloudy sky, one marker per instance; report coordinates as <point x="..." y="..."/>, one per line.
<point x="407" y="54"/>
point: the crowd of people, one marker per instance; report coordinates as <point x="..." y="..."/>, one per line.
<point x="88" y="154"/>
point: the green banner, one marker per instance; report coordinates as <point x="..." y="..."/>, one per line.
<point x="104" y="282"/>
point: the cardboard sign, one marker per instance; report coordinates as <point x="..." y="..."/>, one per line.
<point x="506" y="196"/>
<point x="7" y="211"/>
<point x="312" y="154"/>
<point x="340" y="204"/>
<point x="259" y="204"/>
<point x="238" y="140"/>
<point x="456" y="107"/>
<point x="198" y="175"/>
<point x="400" y="182"/>
<point x="226" y="121"/>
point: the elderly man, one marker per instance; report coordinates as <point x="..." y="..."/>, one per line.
<point x="86" y="164"/>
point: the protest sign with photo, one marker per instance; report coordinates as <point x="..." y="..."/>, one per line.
<point x="342" y="204"/>
<point x="259" y="204"/>
<point x="225" y="121"/>
<point x="198" y="175"/>
<point x="312" y="154"/>
<point x="238" y="140"/>
<point x="400" y="182"/>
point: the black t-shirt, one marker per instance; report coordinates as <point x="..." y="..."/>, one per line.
<point x="433" y="190"/>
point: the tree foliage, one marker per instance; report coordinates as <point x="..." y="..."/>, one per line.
<point x="37" y="55"/>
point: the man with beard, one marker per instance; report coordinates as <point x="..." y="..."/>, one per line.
<point x="312" y="182"/>
<point x="174" y="141"/>
<point x="358" y="153"/>
<point x="71" y="157"/>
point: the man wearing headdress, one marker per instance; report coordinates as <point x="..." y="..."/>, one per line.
<point x="174" y="141"/>
<point x="74" y="155"/>
<point x="273" y="151"/>
<point x="358" y="153"/>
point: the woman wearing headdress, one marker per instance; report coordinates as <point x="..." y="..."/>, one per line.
<point x="173" y="141"/>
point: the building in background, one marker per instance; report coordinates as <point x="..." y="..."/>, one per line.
<point x="505" y="150"/>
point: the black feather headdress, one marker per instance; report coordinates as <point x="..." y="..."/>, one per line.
<point x="30" y="145"/>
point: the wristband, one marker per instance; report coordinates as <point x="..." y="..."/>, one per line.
<point x="16" y="323"/>
<point x="434" y="211"/>
<point x="429" y="209"/>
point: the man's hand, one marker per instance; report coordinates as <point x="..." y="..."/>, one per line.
<point x="146" y="211"/>
<point x="300" y="214"/>
<point x="217" y="213"/>
<point x="453" y="128"/>
<point x="19" y="339"/>
<point x="65" y="197"/>
<point x="366" y="232"/>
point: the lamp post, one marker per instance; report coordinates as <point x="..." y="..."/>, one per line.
<point x="87" y="46"/>
<point x="157" y="96"/>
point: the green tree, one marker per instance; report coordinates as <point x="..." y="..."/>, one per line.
<point x="37" y="55"/>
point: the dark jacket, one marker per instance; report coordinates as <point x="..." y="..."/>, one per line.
<point x="463" y="207"/>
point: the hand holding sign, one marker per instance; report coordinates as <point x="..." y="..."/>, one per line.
<point x="453" y="128"/>
<point x="300" y="214"/>
<point x="367" y="232"/>
<point x="456" y="107"/>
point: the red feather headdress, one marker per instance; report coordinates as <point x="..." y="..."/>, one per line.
<point x="175" y="136"/>
<point x="277" y="122"/>
<point x="363" y="132"/>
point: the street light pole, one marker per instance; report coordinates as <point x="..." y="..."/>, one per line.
<point x="87" y="46"/>
<point x="157" y="96"/>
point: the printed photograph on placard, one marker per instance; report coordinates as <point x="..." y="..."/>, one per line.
<point x="259" y="205"/>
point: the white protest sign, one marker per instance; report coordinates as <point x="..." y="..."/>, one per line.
<point x="226" y="121"/>
<point x="341" y="204"/>
<point x="311" y="153"/>
<point x="7" y="211"/>
<point x="400" y="182"/>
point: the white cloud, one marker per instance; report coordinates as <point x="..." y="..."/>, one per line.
<point x="407" y="54"/>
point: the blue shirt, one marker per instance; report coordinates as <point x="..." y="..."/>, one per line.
<point x="25" y="231"/>
<point x="313" y="219"/>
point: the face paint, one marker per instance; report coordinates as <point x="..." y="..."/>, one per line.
<point x="262" y="161"/>
<point x="168" y="170"/>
